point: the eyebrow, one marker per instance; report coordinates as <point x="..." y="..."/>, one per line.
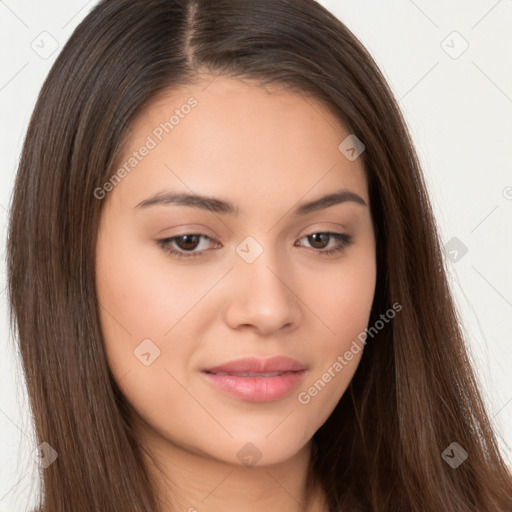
<point x="222" y="206"/>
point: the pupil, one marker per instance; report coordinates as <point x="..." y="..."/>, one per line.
<point x="319" y="240"/>
<point x="188" y="241"/>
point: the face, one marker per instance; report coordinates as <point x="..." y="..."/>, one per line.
<point x="235" y="268"/>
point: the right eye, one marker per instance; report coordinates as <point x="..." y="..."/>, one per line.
<point x="184" y="246"/>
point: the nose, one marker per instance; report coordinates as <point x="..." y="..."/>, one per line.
<point x="262" y="297"/>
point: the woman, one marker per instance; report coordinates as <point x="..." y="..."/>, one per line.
<point x="227" y="280"/>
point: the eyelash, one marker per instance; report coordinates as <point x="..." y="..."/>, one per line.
<point x="343" y="239"/>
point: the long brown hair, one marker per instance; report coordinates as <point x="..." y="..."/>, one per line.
<point x="414" y="392"/>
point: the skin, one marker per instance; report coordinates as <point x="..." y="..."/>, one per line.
<point x="266" y="150"/>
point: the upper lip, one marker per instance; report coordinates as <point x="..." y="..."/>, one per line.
<point x="258" y="365"/>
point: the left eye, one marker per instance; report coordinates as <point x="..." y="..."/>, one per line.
<point x="320" y="241"/>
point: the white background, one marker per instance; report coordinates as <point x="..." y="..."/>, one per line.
<point x="459" y="111"/>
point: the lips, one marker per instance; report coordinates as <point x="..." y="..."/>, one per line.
<point x="249" y="374"/>
<point x="253" y="366"/>
<point x="256" y="380"/>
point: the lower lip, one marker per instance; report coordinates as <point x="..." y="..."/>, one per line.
<point x="256" y="389"/>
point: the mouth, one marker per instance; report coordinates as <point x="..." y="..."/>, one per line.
<point x="256" y="380"/>
<point x="254" y="365"/>
<point x="249" y="374"/>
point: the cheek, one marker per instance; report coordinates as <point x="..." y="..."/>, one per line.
<point x="141" y="299"/>
<point x="144" y="312"/>
<point x="144" y="292"/>
<point x="342" y="298"/>
<point x="341" y="301"/>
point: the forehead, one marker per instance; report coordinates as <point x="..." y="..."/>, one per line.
<point x="224" y="133"/>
